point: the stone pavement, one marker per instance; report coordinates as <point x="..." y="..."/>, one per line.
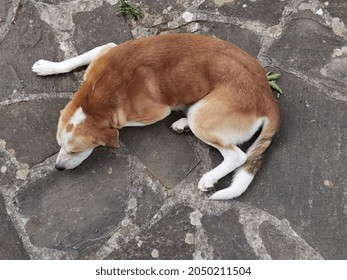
<point x="141" y="201"/>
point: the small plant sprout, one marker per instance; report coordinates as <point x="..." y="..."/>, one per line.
<point x="127" y="9"/>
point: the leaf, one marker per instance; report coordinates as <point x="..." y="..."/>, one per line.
<point x="274" y="86"/>
<point x="273" y="76"/>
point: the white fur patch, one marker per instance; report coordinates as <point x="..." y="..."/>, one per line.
<point x="237" y="138"/>
<point x="239" y="185"/>
<point x="232" y="159"/>
<point x="229" y="137"/>
<point x="78" y="117"/>
<point x="75" y="120"/>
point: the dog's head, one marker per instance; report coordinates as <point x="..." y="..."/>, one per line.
<point x="78" y="134"/>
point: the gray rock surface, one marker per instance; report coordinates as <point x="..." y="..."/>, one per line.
<point x="28" y="128"/>
<point x="11" y="247"/>
<point x="141" y="201"/>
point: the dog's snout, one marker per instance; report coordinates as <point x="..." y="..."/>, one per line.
<point x="59" y="168"/>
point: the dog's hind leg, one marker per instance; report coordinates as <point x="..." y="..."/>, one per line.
<point x="45" y="67"/>
<point x="223" y="120"/>
<point x="233" y="158"/>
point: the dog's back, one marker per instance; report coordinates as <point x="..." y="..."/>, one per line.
<point x="179" y="66"/>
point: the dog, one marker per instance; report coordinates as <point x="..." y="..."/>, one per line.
<point x="223" y="90"/>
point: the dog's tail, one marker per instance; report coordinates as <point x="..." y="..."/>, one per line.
<point x="245" y="174"/>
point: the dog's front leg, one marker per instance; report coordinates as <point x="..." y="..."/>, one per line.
<point x="45" y="67"/>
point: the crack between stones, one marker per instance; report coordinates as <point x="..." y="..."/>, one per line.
<point x="39" y="96"/>
<point x="9" y="19"/>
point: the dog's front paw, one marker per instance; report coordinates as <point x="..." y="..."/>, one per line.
<point x="205" y="183"/>
<point x="45" y="67"/>
<point x="180" y="126"/>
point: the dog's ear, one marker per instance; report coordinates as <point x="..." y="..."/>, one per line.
<point x="108" y="137"/>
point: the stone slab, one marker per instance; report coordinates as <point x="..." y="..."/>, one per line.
<point x="314" y="53"/>
<point x="227" y="237"/>
<point x="338" y="8"/>
<point x="11" y="247"/>
<point x="7" y="170"/>
<point x="160" y="12"/>
<point x="168" y="155"/>
<point x="9" y="81"/>
<point x="242" y="38"/>
<point x="4" y="7"/>
<point x="28" y="40"/>
<point x="249" y="10"/>
<point x="336" y="70"/>
<point x="148" y="193"/>
<point x="91" y="32"/>
<point x="77" y="209"/>
<point x="279" y="245"/>
<point x="29" y="129"/>
<point x="164" y="240"/>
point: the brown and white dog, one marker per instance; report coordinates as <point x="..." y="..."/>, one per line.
<point x="224" y="90"/>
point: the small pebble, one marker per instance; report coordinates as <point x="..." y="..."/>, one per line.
<point x="155" y="253"/>
<point x="338" y="52"/>
<point x="189" y="238"/>
<point x="187" y="16"/>
<point x="319" y="12"/>
<point x="3" y="169"/>
<point x="328" y="183"/>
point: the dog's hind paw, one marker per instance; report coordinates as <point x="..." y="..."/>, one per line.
<point x="205" y="183"/>
<point x="180" y="126"/>
<point x="45" y="67"/>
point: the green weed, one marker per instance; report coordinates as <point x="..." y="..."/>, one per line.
<point x="127" y="9"/>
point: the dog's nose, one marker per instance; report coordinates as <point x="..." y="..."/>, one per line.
<point x="59" y="168"/>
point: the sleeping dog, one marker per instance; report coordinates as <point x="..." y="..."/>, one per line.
<point x="223" y="90"/>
